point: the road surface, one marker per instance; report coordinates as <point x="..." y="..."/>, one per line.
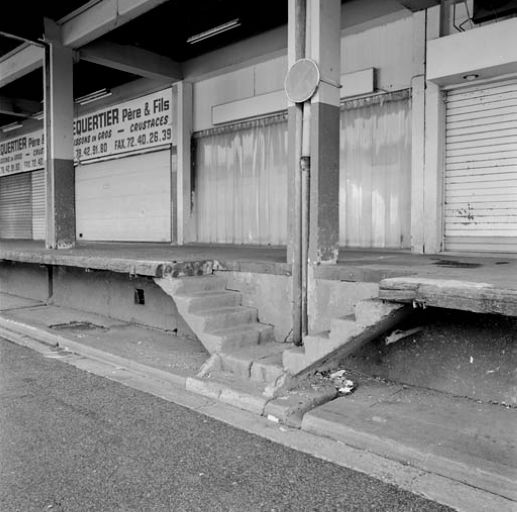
<point x="71" y="441"/>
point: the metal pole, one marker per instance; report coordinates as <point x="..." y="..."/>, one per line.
<point x="300" y="29"/>
<point x="305" y="170"/>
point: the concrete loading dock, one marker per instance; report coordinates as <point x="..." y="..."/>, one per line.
<point x="403" y="177"/>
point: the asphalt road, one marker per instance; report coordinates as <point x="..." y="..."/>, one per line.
<point x="72" y="441"/>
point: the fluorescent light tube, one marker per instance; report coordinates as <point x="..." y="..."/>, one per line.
<point x="229" y="25"/>
<point x="93" y="96"/>
<point x="12" y="126"/>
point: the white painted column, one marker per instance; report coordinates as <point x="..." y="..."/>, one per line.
<point x="418" y="132"/>
<point x="184" y="221"/>
<point x="434" y="152"/>
<point x="325" y="50"/>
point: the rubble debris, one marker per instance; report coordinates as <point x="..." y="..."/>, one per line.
<point x="399" y="334"/>
<point x="343" y="385"/>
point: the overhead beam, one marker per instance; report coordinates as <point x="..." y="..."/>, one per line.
<point x="19" y="107"/>
<point x="131" y="59"/>
<point x="101" y="18"/>
<point x="19" y="62"/>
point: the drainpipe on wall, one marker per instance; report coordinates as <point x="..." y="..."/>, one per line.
<point x="305" y="171"/>
<point x="300" y="27"/>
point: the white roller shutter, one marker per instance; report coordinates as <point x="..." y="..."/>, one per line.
<point x="16" y="206"/>
<point x="481" y="168"/>
<point x="125" y="199"/>
<point x="38" y="205"/>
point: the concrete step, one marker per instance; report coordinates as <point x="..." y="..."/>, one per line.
<point x="231" y="389"/>
<point x="319" y="345"/>
<point x="344" y="328"/>
<point x="370" y="311"/>
<point x="267" y="370"/>
<point x="210" y="320"/>
<point x="294" y="361"/>
<point x="260" y="363"/>
<point x="231" y="338"/>
<point x="209" y="299"/>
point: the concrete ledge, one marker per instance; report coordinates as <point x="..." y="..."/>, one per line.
<point x="143" y="267"/>
<point x="453" y="437"/>
<point x="451" y="294"/>
<point x="122" y="265"/>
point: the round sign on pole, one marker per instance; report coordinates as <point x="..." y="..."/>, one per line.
<point x="302" y="80"/>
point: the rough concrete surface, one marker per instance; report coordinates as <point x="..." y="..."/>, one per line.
<point x="462" y="439"/>
<point x="465" y="354"/>
<point x="149" y="347"/>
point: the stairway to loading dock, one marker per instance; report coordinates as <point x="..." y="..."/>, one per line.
<point x="245" y="349"/>
<point x="432" y="431"/>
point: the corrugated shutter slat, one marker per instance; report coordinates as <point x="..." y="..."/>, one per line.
<point x="481" y="168"/>
<point x="16" y="206"/>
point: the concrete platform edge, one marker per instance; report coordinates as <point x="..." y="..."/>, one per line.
<point x="393" y="450"/>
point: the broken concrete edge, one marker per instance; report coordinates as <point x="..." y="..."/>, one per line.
<point x="284" y="406"/>
<point x="290" y="413"/>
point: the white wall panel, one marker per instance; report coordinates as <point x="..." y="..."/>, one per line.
<point x="388" y="48"/>
<point x="125" y="199"/>
<point x="375" y="175"/>
<point x="270" y="75"/>
<point x="241" y="184"/>
<point x="221" y="89"/>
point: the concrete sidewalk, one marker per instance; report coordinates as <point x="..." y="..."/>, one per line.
<point x="471" y="445"/>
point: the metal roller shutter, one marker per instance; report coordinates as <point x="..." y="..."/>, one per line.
<point x="125" y="199"/>
<point x="16" y="206"/>
<point x="39" y="195"/>
<point x="481" y="168"/>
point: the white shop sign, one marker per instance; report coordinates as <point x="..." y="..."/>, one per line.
<point x="22" y="153"/>
<point x="132" y="126"/>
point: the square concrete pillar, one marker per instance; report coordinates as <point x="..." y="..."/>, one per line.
<point x="59" y="111"/>
<point x="325" y="50"/>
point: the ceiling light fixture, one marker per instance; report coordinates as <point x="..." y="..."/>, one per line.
<point x="11" y="126"/>
<point x="93" y="96"/>
<point x="470" y="77"/>
<point x="229" y="25"/>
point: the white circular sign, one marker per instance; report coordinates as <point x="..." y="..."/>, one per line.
<point x="302" y="80"/>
